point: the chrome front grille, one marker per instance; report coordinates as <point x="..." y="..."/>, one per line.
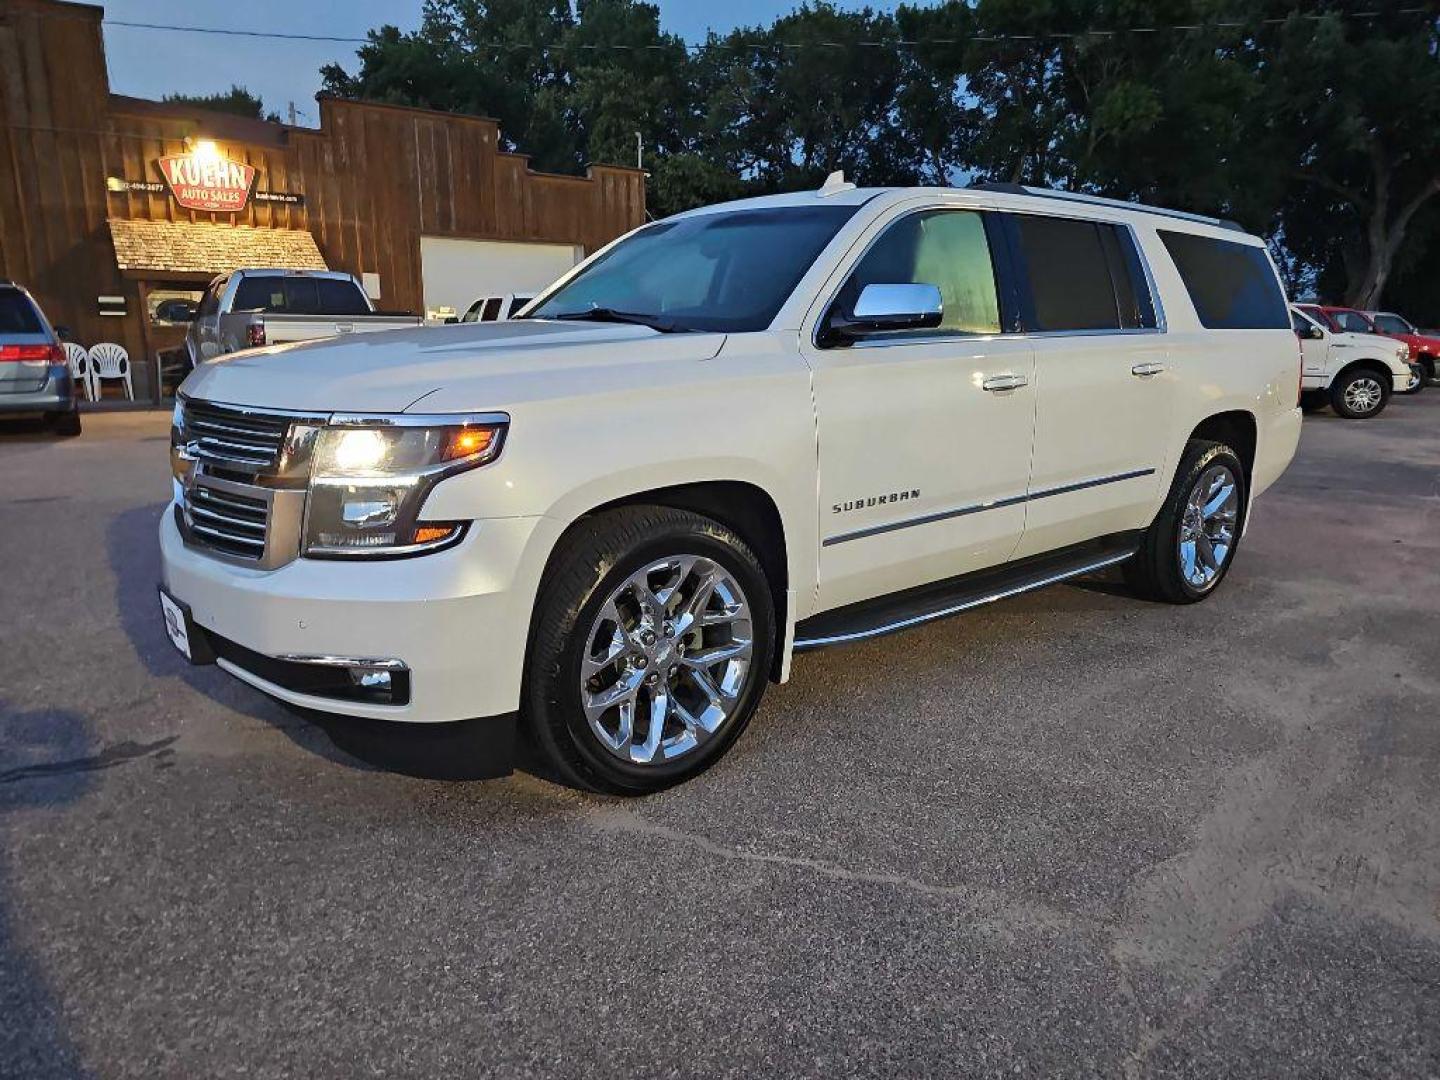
<point x="242" y="475"/>
<point x="234" y="437"/>
<point x="233" y="523"/>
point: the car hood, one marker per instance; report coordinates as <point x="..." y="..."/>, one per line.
<point x="446" y="368"/>
<point x="1377" y="342"/>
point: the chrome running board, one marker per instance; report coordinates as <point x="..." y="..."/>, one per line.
<point x="914" y="607"/>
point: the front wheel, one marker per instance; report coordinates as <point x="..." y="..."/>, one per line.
<point x="1189" y="546"/>
<point x="653" y="636"/>
<point x="1360" y="394"/>
<point x="1416" y="382"/>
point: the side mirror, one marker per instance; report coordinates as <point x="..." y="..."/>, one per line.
<point x="451" y="320"/>
<point x="1314" y="333"/>
<point x="882" y="309"/>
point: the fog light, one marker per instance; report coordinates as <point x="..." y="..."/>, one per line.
<point x="370" y="679"/>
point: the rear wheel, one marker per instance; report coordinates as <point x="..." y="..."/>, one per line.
<point x="1360" y="394"/>
<point x="1189" y="546"/>
<point x="652" y="641"/>
<point x="65" y="424"/>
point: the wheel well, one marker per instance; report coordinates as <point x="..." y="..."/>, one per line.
<point x="1236" y="430"/>
<point x="1369" y="365"/>
<point x="743" y="507"/>
<point x="1428" y="360"/>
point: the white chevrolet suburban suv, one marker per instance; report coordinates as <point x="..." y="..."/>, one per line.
<point x="732" y="435"/>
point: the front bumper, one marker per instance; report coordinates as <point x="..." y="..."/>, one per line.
<point x="458" y="619"/>
<point x="56" y="395"/>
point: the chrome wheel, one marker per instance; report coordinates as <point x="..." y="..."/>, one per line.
<point x="1207" y="529"/>
<point x="1365" y="394"/>
<point x="1413" y="383"/>
<point x="666" y="659"/>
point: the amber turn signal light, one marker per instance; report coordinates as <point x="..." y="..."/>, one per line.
<point x="469" y="442"/>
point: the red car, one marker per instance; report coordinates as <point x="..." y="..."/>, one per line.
<point x="1424" y="349"/>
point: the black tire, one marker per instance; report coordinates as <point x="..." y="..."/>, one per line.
<point x="65" y="424"/>
<point x="1312" y="401"/>
<point x="591" y="561"/>
<point x="1427" y="365"/>
<point x="1348" y="379"/>
<point x="1155" y="571"/>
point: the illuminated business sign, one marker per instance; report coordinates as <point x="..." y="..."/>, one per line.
<point x="207" y="181"/>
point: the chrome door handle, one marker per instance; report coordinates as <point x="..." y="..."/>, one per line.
<point x="1144" y="371"/>
<point x="1004" y="382"/>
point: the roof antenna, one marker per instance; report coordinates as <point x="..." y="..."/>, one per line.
<point x="834" y="184"/>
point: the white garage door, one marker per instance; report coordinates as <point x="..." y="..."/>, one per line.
<point x="455" y="272"/>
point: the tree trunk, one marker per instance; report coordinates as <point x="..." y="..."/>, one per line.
<point x="1383" y="238"/>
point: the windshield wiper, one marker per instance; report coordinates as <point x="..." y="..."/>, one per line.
<point x="606" y="314"/>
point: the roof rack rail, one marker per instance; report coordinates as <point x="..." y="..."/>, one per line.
<point x="1008" y="188"/>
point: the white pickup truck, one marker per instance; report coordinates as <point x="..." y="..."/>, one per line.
<point x="1353" y="373"/>
<point x="730" y="436"/>
<point x="249" y="308"/>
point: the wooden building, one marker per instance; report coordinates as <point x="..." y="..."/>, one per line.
<point x="111" y="205"/>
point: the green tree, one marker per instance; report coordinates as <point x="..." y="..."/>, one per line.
<point x="1352" y="106"/>
<point x="239" y="101"/>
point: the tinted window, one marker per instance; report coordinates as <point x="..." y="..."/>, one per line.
<point x="728" y="271"/>
<point x="1300" y="324"/>
<point x="1351" y="321"/>
<point x="302" y="297"/>
<point x="17" y="314"/>
<point x="1233" y="286"/>
<point x="340" y="297"/>
<point x="1071" y="287"/>
<point x="472" y="313"/>
<point x="266" y="294"/>
<point x="491" y="310"/>
<point x="944" y="248"/>
<point x="1393" y="324"/>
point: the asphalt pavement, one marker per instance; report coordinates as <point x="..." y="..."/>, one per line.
<point x="1070" y="834"/>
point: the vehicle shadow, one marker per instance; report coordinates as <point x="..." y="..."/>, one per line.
<point x="468" y="750"/>
<point x="47" y="760"/>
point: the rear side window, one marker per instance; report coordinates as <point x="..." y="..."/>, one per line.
<point x="491" y="309"/>
<point x="1083" y="275"/>
<point x="17" y="314"/>
<point x="1233" y="286"/>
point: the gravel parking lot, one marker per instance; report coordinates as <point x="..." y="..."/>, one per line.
<point x="1071" y="834"/>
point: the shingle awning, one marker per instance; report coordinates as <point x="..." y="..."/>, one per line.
<point x="185" y="249"/>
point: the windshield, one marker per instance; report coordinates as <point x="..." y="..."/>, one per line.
<point x="726" y="272"/>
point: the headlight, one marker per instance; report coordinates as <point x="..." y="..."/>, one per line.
<point x="371" y="474"/>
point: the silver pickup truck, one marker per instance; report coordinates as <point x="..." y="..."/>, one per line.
<point x="248" y="308"/>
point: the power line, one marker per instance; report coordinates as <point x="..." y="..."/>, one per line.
<point x="697" y="47"/>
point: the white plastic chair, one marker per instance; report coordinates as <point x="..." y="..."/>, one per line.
<point x="79" y="360"/>
<point x="110" y="361"/>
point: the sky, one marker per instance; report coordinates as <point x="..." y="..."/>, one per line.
<point x="152" y="63"/>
